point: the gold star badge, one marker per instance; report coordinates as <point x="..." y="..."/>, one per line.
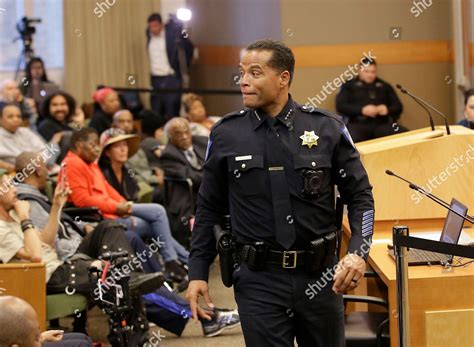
<point x="309" y="138"/>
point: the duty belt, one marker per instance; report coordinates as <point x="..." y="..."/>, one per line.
<point x="321" y="254"/>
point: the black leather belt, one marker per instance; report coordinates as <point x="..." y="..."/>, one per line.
<point x="285" y="259"/>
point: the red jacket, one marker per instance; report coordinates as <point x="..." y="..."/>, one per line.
<point x="89" y="186"/>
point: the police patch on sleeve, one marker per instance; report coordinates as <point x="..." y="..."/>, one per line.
<point x="208" y="149"/>
<point x="348" y="137"/>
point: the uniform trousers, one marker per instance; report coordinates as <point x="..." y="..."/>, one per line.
<point x="275" y="308"/>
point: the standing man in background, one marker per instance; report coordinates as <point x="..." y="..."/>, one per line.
<point x="170" y="53"/>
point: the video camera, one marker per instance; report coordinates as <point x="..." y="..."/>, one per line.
<point x="26" y="29"/>
<point x="112" y="295"/>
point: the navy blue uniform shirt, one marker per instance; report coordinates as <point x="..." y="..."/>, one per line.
<point x="243" y="146"/>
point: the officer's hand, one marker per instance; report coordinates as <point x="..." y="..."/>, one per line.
<point x="382" y="110"/>
<point x="196" y="289"/>
<point x="370" y="111"/>
<point x="349" y="271"/>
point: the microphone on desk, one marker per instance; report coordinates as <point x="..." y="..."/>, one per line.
<point x="423" y="103"/>
<point x="431" y="196"/>
<point x="404" y="91"/>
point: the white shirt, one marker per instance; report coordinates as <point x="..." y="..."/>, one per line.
<point x="24" y="140"/>
<point x="159" y="63"/>
<point x="12" y="240"/>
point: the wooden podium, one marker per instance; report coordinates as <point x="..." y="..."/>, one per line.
<point x="439" y="163"/>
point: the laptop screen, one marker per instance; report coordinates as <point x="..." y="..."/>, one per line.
<point x="453" y="223"/>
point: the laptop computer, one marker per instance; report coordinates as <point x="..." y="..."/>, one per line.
<point x="451" y="231"/>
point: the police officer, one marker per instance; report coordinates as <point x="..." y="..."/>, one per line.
<point x="371" y="104"/>
<point x="273" y="166"/>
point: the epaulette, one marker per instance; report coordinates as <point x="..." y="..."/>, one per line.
<point x="313" y="110"/>
<point x="231" y="115"/>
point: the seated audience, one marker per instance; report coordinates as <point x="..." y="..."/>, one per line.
<point x="154" y="138"/>
<point x="138" y="162"/>
<point x="107" y="102"/>
<point x="72" y="236"/>
<point x="22" y="241"/>
<point x="199" y="123"/>
<point x="468" y="122"/>
<point x="15" y="139"/>
<point x="57" y="109"/>
<point x="77" y="237"/>
<point x="20" y="328"/>
<point x="78" y="119"/>
<point x="10" y="94"/>
<point x="370" y="104"/>
<point x="183" y="157"/>
<point x="90" y="188"/>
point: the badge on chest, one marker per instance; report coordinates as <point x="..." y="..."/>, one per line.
<point x="309" y="138"/>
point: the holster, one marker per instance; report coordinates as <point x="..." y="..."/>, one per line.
<point x="321" y="253"/>
<point x="225" y="248"/>
<point x="254" y="255"/>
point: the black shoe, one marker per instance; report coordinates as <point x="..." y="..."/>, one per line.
<point x="223" y="319"/>
<point x="145" y="283"/>
<point x="175" y="271"/>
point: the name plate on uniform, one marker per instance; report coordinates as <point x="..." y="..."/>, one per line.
<point x="243" y="157"/>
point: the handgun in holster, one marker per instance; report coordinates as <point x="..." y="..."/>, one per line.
<point x="225" y="247"/>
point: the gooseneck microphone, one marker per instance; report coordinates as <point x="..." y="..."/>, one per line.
<point x="431" y="196"/>
<point x="404" y="91"/>
<point x="421" y="101"/>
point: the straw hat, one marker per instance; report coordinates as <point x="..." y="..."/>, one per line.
<point x="114" y="135"/>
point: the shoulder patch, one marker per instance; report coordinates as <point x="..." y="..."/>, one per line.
<point x="347" y="136"/>
<point x="313" y="110"/>
<point x="231" y="115"/>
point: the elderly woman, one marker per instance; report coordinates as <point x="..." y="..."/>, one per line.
<point x="147" y="219"/>
<point x="108" y="102"/>
<point x="15" y="139"/>
<point x="199" y="123"/>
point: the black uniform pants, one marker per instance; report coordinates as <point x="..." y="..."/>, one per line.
<point x="275" y="308"/>
<point x="166" y="104"/>
<point x="363" y="128"/>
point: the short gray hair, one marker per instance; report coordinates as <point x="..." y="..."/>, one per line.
<point x="173" y="122"/>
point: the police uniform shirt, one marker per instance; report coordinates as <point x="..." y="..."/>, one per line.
<point x="356" y="94"/>
<point x="236" y="180"/>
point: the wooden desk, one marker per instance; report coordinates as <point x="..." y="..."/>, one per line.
<point x="26" y="281"/>
<point x="441" y="301"/>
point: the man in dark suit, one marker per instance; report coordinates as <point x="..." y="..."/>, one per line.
<point x="182" y="160"/>
<point x="170" y="52"/>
